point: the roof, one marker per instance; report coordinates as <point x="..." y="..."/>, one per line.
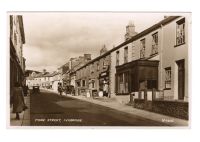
<point x="137" y="36"/>
<point x="47" y="75"/>
<point x="66" y="64"/>
<point x="30" y="71"/>
<point x="29" y="78"/>
<point x="51" y="74"/>
<point x="95" y="59"/>
<point x="148" y="30"/>
<point x="38" y="75"/>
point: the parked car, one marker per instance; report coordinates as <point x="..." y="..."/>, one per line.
<point x="36" y="89"/>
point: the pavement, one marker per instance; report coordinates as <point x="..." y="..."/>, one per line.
<point x="114" y="104"/>
<point x="24" y="116"/>
<point x="111" y="103"/>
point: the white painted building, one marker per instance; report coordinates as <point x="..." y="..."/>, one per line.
<point x="155" y="45"/>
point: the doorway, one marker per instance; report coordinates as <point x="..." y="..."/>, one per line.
<point x="181" y="79"/>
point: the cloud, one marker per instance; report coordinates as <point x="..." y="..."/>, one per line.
<point x="53" y="38"/>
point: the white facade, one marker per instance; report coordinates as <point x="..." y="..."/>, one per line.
<point x="167" y="54"/>
<point x="171" y="54"/>
<point x="133" y="54"/>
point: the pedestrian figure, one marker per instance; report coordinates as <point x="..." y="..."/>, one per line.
<point x="25" y="89"/>
<point x="18" y="100"/>
<point x="60" y="88"/>
<point x="105" y="89"/>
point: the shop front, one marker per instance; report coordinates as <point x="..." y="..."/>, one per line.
<point x="92" y="90"/>
<point x="104" y="83"/>
<point x="135" y="76"/>
<point x="78" y="86"/>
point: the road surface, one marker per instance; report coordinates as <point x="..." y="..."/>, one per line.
<point x="50" y="109"/>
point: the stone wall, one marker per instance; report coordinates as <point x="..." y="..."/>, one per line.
<point x="139" y="103"/>
<point x="172" y="108"/>
<point x="177" y="109"/>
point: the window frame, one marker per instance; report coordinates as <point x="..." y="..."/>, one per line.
<point x="83" y="83"/>
<point x="168" y="74"/>
<point x="179" y="23"/>
<point x="154" y="46"/>
<point x="117" y="58"/>
<point x="142" y="48"/>
<point x="121" y="78"/>
<point x="98" y="67"/>
<point x="126" y="54"/>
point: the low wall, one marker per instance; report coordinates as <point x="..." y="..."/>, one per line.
<point x="172" y="108"/>
<point x="139" y="103"/>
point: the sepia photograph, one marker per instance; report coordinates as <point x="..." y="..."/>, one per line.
<point x="126" y="69"/>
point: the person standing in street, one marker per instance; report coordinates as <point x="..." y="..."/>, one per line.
<point x="105" y="89"/>
<point x="60" y="88"/>
<point x="25" y="89"/>
<point x="18" y="100"/>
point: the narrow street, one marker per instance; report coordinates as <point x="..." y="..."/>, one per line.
<point x="50" y="109"/>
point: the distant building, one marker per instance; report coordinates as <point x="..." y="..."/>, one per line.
<point x="68" y="77"/>
<point x="43" y="79"/>
<point x="93" y="76"/>
<point x="30" y="78"/>
<point x="30" y="72"/>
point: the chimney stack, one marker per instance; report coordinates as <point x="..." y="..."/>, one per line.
<point x="87" y="56"/>
<point x="130" y="31"/>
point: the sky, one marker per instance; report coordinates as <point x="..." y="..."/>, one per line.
<point x="53" y="38"/>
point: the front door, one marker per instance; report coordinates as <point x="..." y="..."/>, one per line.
<point x="181" y="79"/>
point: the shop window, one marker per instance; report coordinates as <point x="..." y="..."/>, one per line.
<point x="142" y="48"/>
<point x="78" y="84"/>
<point x="168" y="78"/>
<point x="180" y="32"/>
<point x="121" y="78"/>
<point x="123" y="83"/>
<point x="126" y="76"/>
<point x="142" y="84"/>
<point x="154" y="43"/>
<point x="151" y="84"/>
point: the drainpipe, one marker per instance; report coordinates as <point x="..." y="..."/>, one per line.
<point x="161" y="61"/>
